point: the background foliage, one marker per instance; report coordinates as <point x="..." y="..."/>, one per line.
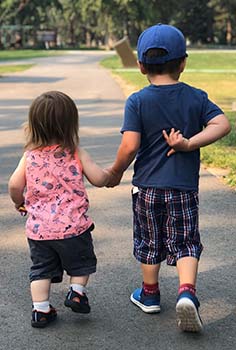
<point x="101" y="22"/>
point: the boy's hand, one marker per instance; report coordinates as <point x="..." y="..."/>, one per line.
<point x="114" y="179"/>
<point x="176" y="141"/>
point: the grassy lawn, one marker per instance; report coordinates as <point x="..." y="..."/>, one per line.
<point x="12" y="55"/>
<point x="24" y="54"/>
<point x="14" y="68"/>
<point x="214" y="72"/>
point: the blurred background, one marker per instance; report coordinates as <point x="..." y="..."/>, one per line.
<point x="99" y="23"/>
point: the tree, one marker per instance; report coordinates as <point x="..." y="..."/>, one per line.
<point x="224" y="20"/>
<point x="101" y="22"/>
<point x="195" y="19"/>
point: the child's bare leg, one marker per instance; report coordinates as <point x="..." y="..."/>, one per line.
<point x="40" y="290"/>
<point x="76" y="298"/>
<point x="42" y="313"/>
<point x="150" y="273"/>
<point x="187" y="270"/>
<point x="82" y="280"/>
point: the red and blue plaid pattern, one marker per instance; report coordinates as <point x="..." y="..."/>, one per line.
<point x="165" y="225"/>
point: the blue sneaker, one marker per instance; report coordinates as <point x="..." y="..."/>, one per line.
<point x="147" y="303"/>
<point x="188" y="319"/>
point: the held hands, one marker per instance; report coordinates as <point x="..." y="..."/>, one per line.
<point x="176" y="141"/>
<point x="114" y="178"/>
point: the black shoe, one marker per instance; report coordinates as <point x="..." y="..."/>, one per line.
<point x="42" y="319"/>
<point x="77" y="302"/>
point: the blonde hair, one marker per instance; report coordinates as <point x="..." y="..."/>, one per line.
<point x="53" y="119"/>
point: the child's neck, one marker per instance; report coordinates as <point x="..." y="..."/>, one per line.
<point x="163" y="79"/>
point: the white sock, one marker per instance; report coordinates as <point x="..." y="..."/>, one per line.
<point x="42" y="306"/>
<point x="78" y="288"/>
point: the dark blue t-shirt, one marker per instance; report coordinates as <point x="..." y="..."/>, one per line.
<point x="158" y="107"/>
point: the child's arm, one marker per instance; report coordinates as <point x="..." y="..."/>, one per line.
<point x="17" y="184"/>
<point x="95" y="175"/>
<point x="216" y="128"/>
<point x="127" y="150"/>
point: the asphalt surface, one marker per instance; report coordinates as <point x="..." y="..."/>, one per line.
<point x="114" y="323"/>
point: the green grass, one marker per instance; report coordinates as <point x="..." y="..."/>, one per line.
<point x="14" y="68"/>
<point x="221" y="88"/>
<point x="10" y="55"/>
<point x="222" y="154"/>
<point x="211" y="59"/>
<point x="196" y="60"/>
<point x="27" y="54"/>
<point x="112" y="62"/>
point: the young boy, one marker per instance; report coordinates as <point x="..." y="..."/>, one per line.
<point x="165" y="124"/>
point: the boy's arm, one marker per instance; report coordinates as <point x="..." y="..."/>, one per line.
<point x="95" y="175"/>
<point x="17" y="183"/>
<point x="127" y="150"/>
<point x="216" y="128"/>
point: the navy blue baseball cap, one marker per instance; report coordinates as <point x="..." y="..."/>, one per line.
<point x="161" y="36"/>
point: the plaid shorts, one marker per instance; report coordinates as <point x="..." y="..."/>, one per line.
<point x="165" y="225"/>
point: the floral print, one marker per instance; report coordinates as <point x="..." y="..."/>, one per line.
<point x="56" y="199"/>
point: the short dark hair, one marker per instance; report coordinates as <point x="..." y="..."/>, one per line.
<point x="53" y="118"/>
<point x="171" y="67"/>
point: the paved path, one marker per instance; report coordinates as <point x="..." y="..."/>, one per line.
<point x="114" y="322"/>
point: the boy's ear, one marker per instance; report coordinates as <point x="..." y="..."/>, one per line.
<point x="182" y="65"/>
<point x="141" y="67"/>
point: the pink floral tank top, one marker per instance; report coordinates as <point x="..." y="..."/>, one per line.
<point x="56" y="199"/>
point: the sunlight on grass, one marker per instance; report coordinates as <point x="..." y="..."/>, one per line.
<point x="14" y="68"/>
<point x="11" y="55"/>
<point x="211" y="59"/>
<point x="222" y="153"/>
<point x="27" y="54"/>
<point x="221" y="88"/>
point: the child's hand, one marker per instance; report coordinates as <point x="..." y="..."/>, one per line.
<point x="21" y="209"/>
<point x="114" y="179"/>
<point x="176" y="141"/>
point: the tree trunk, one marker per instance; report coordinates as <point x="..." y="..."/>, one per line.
<point x="228" y="32"/>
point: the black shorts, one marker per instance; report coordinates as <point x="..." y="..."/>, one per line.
<point x="52" y="257"/>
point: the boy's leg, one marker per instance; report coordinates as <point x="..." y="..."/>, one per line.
<point x="150" y="273"/>
<point x="148" y="297"/>
<point x="188" y="318"/>
<point x="184" y="246"/>
<point x="187" y="270"/>
<point x="148" y="247"/>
